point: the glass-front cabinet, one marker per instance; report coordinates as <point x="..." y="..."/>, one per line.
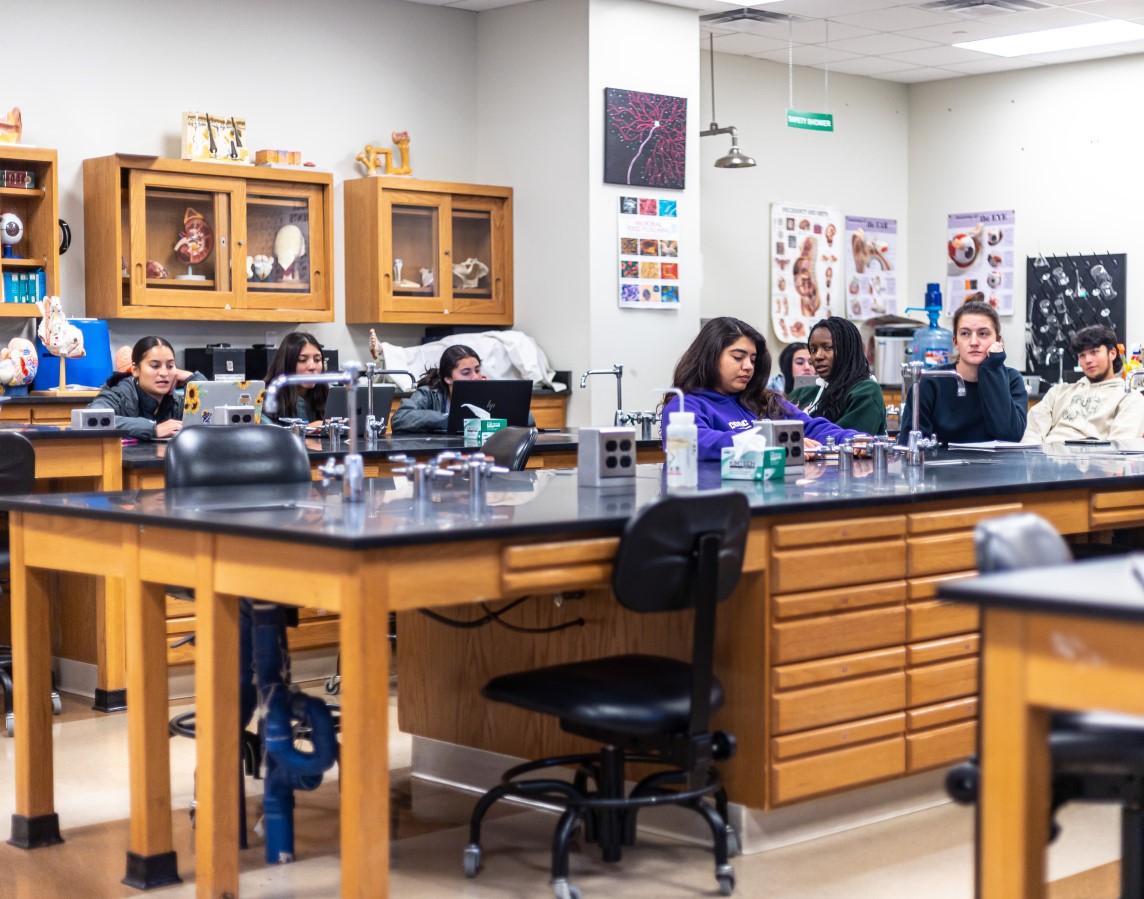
<point x="428" y="252"/>
<point x="177" y="239"/>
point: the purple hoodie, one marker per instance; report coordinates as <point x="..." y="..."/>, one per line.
<point x="717" y="417"/>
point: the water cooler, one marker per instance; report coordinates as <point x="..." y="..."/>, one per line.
<point x="933" y="345"/>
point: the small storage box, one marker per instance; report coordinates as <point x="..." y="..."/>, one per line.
<point x="754" y="465"/>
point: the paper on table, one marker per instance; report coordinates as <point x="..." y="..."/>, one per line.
<point x="993" y="446"/>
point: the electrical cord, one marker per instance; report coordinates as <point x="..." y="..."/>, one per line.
<point x="494" y="616"/>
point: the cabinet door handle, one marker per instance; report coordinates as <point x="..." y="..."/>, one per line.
<point x="139" y="274"/>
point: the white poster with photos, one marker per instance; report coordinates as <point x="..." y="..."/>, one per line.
<point x="871" y="267"/>
<point x="806" y="268"/>
<point x="648" y="253"/>
<point x="980" y="259"/>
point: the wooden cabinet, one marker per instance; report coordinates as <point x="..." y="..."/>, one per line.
<point x="138" y="209"/>
<point x="37" y="207"/>
<point x="401" y="234"/>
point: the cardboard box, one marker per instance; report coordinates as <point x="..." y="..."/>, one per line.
<point x="754" y="465"/>
<point x="477" y="430"/>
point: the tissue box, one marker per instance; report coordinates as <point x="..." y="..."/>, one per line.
<point x="753" y="465"/>
<point x="477" y="430"/>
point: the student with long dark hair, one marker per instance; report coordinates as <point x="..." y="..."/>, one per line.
<point x="794" y="360"/>
<point x="995" y="405"/>
<point x="299" y="353"/>
<point x="844" y="393"/>
<point x="427" y="409"/>
<point x="144" y="399"/>
<point x="723" y="375"/>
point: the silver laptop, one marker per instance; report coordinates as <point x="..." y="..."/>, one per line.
<point x="203" y="397"/>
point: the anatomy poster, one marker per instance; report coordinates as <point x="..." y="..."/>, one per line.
<point x="645" y="139"/>
<point x="871" y="265"/>
<point x="979" y="260"/>
<point x="806" y="268"/>
<point x="649" y="253"/>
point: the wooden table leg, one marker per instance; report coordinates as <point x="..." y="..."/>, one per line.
<point x="110" y="648"/>
<point x="216" y="734"/>
<point x="35" y="822"/>
<point x="151" y="858"/>
<point x="1013" y="803"/>
<point x="364" y="759"/>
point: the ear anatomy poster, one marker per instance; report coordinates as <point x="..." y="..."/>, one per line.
<point x="871" y="267"/>
<point x="649" y="253"/>
<point x="979" y="260"/>
<point x="806" y="268"/>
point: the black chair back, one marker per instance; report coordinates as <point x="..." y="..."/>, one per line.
<point x="206" y="456"/>
<point x="1013" y="542"/>
<point x="17" y="464"/>
<point x="510" y="447"/>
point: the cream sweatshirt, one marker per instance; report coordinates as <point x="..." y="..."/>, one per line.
<point x="1086" y="410"/>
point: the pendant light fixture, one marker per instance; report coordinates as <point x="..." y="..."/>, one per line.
<point x="735" y="158"/>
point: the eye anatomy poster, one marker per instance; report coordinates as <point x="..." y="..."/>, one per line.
<point x="980" y="261"/>
<point x="806" y="268"/>
<point x="649" y="253"/>
<point x="645" y="139"/>
<point x="871" y="263"/>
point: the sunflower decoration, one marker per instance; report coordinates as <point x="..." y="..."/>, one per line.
<point x="192" y="403"/>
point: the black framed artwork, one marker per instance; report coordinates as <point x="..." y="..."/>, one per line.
<point x="645" y="139"/>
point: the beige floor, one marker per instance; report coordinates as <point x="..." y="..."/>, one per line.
<point x="928" y="854"/>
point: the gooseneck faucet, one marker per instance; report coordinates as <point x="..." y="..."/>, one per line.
<point x="374" y="426"/>
<point x="352" y="469"/>
<point x="618" y="371"/>
<point x="914" y="451"/>
<point x="1132" y="378"/>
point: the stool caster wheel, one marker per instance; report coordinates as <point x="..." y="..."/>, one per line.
<point x="10" y="724"/>
<point x="564" y="890"/>
<point x="472" y="860"/>
<point x="57" y="705"/>
<point x="725" y="876"/>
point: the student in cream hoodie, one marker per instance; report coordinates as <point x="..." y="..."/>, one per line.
<point x="1095" y="407"/>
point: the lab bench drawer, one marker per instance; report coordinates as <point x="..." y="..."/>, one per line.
<point x="838" y="565"/>
<point x="831" y="635"/>
<point x="942" y="649"/>
<point x="926" y="717"/>
<point x="839" y="736"/>
<point x="959" y="519"/>
<point x="832" y="771"/>
<point x="806" y="674"/>
<point x="824" y="533"/>
<point x="862" y="697"/>
<point x="843" y="599"/>
<point x="927" y="587"/>
<point x="945" y="552"/>
<point x="945" y="680"/>
<point x="937" y="618"/>
<point x="941" y="746"/>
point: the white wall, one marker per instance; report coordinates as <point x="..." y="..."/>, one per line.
<point x="860" y="168"/>
<point x="1061" y="145"/>
<point x="322" y="78"/>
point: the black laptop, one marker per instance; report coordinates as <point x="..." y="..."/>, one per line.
<point x="501" y="399"/>
<point x="383" y="395"/>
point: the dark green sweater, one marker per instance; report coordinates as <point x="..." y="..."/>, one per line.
<point x="994" y="407"/>
<point x="865" y="409"/>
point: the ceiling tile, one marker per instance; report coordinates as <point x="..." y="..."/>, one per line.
<point x="1114" y="9"/>
<point x="990" y="64"/>
<point x="808" y="55"/>
<point x="913" y="76"/>
<point x="822" y="9"/>
<point x="956" y="32"/>
<point x="746" y="44"/>
<point x="897" y="18"/>
<point x="1042" y="20"/>
<point x="934" y="56"/>
<point x="867" y="65"/>
<point x="878" y="44"/>
<point x="1083" y="53"/>
<point x="479" y="5"/>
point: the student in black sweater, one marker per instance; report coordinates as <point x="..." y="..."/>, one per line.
<point x="995" y="404"/>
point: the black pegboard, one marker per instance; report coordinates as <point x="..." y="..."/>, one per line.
<point x="1056" y="307"/>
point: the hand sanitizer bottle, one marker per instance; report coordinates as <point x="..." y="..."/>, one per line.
<point x="682" y="448"/>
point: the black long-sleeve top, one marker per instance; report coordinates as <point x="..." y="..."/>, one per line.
<point x="994" y="407"/>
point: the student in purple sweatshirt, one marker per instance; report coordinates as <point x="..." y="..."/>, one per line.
<point x="724" y="375"/>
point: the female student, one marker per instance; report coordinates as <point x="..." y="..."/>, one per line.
<point x="300" y="353"/>
<point x="794" y="360"/>
<point x="995" y="404"/>
<point x="428" y="408"/>
<point x="144" y="399"/>
<point x="723" y="375"/>
<point x="845" y="394"/>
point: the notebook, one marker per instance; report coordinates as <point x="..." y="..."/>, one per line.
<point x="202" y="397"/>
<point x="383" y="395"/>
<point x="508" y="399"/>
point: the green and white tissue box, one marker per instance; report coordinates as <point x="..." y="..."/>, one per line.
<point x="754" y="465"/>
<point x="477" y="430"/>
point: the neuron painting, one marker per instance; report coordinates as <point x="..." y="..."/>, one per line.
<point x="645" y="138"/>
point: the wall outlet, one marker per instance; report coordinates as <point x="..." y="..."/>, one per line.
<point x="96" y="419"/>
<point x="786" y="434"/>
<point x="606" y="456"/>
<point x="232" y="415"/>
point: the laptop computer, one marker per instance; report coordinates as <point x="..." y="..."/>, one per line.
<point x="508" y="399"/>
<point x="383" y="395"/>
<point x="201" y="398"/>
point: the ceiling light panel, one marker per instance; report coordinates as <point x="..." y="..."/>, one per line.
<point x="1110" y="31"/>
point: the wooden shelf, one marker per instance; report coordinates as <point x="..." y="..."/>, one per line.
<point x="38" y="192"/>
<point x="281" y="286"/>
<point x="475" y="293"/>
<point x="20" y="310"/>
<point x="176" y="284"/>
<point x="23" y="263"/>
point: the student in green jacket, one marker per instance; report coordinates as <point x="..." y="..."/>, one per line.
<point x="845" y="393"/>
